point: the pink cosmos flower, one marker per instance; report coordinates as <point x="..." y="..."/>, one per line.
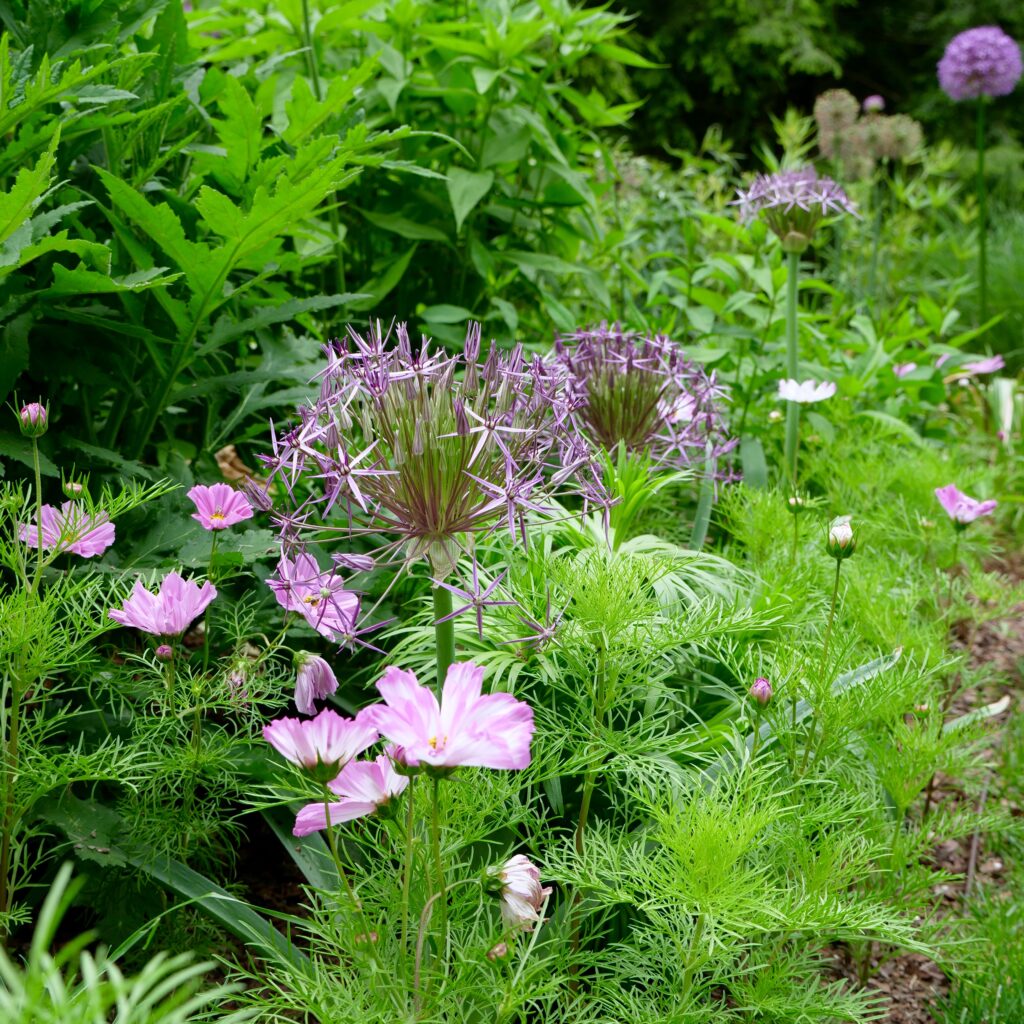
<point x="219" y="506"/>
<point x="170" y="610"/>
<point x="314" y="680"/>
<point x="962" y="508"/>
<point x="522" y="895"/>
<point x="942" y="360"/>
<point x="70" y="528"/>
<point x="329" y="740"/>
<point x="807" y="391"/>
<point x="319" y="597"/>
<point x="364" y="787"/>
<point x="990" y="365"/>
<point x="902" y="369"/>
<point x="467" y="728"/>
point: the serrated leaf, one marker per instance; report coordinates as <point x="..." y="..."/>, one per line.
<point x="465" y="190"/>
<point x="80" y="281"/>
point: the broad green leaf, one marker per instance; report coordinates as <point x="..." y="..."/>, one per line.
<point x="466" y="189"/>
<point x="754" y="463"/>
<point x="378" y="287"/>
<point x="446" y="314"/>
<point x="404" y="227"/>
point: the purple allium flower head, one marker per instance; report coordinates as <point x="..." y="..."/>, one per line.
<point x="980" y="62"/>
<point x="873" y="104"/>
<point x="70" y="528"/>
<point x="169" y="611"/>
<point x="422" y="448"/>
<point x="219" y="506"/>
<point x="643" y="393"/>
<point x="792" y="204"/>
<point x="314" y="680"/>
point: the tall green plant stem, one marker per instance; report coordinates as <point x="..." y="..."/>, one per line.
<point x="38" y="496"/>
<point x="792" y="362"/>
<point x="444" y="634"/>
<point x="877" y="196"/>
<point x="691" y="956"/>
<point x="442" y="888"/>
<point x="407" y="866"/>
<point x="812" y="741"/>
<point x="206" y="613"/>
<point x="982" y="214"/>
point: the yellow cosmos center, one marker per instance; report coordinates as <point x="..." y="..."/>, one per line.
<point x="218" y="515"/>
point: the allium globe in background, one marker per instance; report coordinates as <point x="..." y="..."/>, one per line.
<point x="642" y="392"/>
<point x="835" y="113"/>
<point x="980" y="62"/>
<point x="793" y="204"/>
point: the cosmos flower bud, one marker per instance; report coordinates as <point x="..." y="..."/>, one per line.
<point x="841" y="542"/>
<point x="775" y="416"/>
<point x="33" y="419"/>
<point x="795" y="504"/>
<point x="498" y="952"/>
<point x="761" y="690"/>
<point x="73" y="488"/>
<point x="874" y="104"/>
<point x="165" y="652"/>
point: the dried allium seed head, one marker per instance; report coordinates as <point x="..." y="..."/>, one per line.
<point x="835" y="112"/>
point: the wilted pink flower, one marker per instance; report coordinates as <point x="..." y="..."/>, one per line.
<point x="322" y="745"/>
<point x="219" y="506"/>
<point x="364" y="787"/>
<point x="170" y="610"/>
<point x="962" y="508"/>
<point x="314" y="680"/>
<point x="807" y="391"/>
<point x="990" y="365"/>
<point x="33" y="419"/>
<point x="982" y="61"/>
<point x="761" y="690"/>
<point x="522" y="895"/>
<point x="70" y="528"/>
<point x="319" y="597"/>
<point x="902" y="369"/>
<point x="943" y="359"/>
<point x="467" y="728"/>
<point x="873" y="104"/>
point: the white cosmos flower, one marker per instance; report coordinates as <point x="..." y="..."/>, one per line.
<point x="806" y="391"/>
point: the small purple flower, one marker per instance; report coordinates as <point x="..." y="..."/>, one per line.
<point x="792" y="204"/>
<point x="990" y="365"/>
<point x="903" y="369"/>
<point x="980" y="62"/>
<point x="761" y="690"/>
<point x="219" y="506"/>
<point x="476" y="599"/>
<point x="70" y="528"/>
<point x="314" y="680"/>
<point x="873" y="104"/>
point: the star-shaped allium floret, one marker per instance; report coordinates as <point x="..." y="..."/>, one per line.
<point x="476" y="599"/>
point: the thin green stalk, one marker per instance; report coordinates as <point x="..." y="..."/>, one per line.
<point x="792" y="362"/>
<point x="11" y="766"/>
<point x="876" y="243"/>
<point x="702" y="517"/>
<point x="407" y="866"/>
<point x="169" y="678"/>
<point x="691" y="960"/>
<point x="206" y="612"/>
<point x="34" y="586"/>
<point x="796" y="535"/>
<point x="982" y="214"/>
<point x="831" y="614"/>
<point x="444" y="634"/>
<point x="442" y="891"/>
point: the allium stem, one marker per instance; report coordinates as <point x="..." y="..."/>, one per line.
<point x="792" y="362"/>
<point x="444" y="634"/>
<point x="982" y="214"/>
